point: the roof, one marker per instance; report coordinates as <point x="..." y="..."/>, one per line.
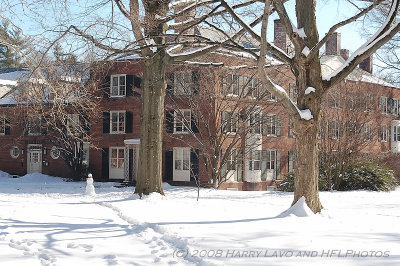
<point x="330" y="63"/>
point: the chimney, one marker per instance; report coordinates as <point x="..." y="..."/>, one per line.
<point x="333" y="44"/>
<point x="281" y="40"/>
<point x="367" y="64"/>
<point x="344" y="53"/>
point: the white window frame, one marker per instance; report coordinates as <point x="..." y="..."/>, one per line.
<point x="39" y="126"/>
<point x="14" y="152"/>
<point x="396" y="133"/>
<point x="55" y="153"/>
<point x="255" y="160"/>
<point x="118" y="131"/>
<point x="118" y="159"/>
<point x="291" y="160"/>
<point x="335" y="131"/>
<point x="383" y="104"/>
<point x="2" y="125"/>
<point x="367" y="132"/>
<point x="183" y="84"/>
<point x="384" y="134"/>
<point x="255" y="121"/>
<point x="270" y="123"/>
<point x="231" y="85"/>
<point x="120" y="89"/>
<point x="73" y="123"/>
<point x="271" y="164"/>
<point x="182" y="121"/>
<point x="231" y="121"/>
<point x="182" y="159"/>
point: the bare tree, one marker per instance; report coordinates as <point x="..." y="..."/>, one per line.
<point x="228" y="115"/>
<point x="348" y="125"/>
<point x="58" y="100"/>
<point x="312" y="85"/>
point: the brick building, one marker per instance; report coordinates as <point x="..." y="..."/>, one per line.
<point x="204" y="100"/>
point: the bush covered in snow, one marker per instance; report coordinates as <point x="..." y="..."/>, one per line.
<point x="287" y="184"/>
<point x="368" y="175"/>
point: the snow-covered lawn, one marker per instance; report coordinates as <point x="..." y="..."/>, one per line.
<point x="46" y="221"/>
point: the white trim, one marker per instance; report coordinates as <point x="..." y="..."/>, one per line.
<point x="13" y="148"/>
<point x="116" y="172"/>
<point x="118" y="85"/>
<point x="132" y="141"/>
<point x="32" y="149"/>
<point x="111" y="128"/>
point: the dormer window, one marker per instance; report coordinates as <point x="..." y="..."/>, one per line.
<point x="118" y="85"/>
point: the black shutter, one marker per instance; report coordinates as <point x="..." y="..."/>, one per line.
<point x="129" y="85"/>
<point x="196" y="81"/>
<point x="137" y="81"/>
<point x="7" y="126"/>
<point x="194" y="164"/>
<point x="193" y="123"/>
<point x="106" y="122"/>
<point x="43" y="126"/>
<point x="129" y="122"/>
<point x="106" y="87"/>
<point x="170" y="82"/>
<point x="169" y="164"/>
<point x="169" y="121"/>
<point x="105" y="164"/>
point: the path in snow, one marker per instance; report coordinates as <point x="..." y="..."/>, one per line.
<point x="94" y="234"/>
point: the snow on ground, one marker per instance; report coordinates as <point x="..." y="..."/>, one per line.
<point x="46" y="221"/>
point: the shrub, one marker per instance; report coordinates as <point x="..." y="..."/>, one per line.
<point x="368" y="175"/>
<point x="287" y="184"/>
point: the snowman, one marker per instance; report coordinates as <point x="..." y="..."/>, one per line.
<point x="89" y="186"/>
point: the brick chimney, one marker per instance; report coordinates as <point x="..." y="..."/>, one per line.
<point x="344" y="53"/>
<point x="333" y="44"/>
<point x="281" y="40"/>
<point x="367" y="64"/>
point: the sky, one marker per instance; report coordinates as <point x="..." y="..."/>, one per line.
<point x="329" y="12"/>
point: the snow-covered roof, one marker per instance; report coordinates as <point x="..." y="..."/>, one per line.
<point x="132" y="141"/>
<point x="330" y="63"/>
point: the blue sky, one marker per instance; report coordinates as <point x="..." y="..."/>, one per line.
<point x="329" y="12"/>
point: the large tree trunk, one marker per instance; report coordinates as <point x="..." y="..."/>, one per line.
<point x="151" y="125"/>
<point x="307" y="170"/>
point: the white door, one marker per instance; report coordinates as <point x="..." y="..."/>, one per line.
<point x="181" y="164"/>
<point x="117" y="162"/>
<point x="34" y="159"/>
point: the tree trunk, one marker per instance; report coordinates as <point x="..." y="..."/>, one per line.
<point x="307" y="170"/>
<point x="153" y="89"/>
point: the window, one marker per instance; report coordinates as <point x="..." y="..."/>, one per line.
<point x="291" y="161"/>
<point x="232" y="158"/>
<point x="335" y="129"/>
<point x="230" y="122"/>
<point x="368" y="104"/>
<point x="255" y="160"/>
<point x="14" y="152"/>
<point x="73" y="124"/>
<point x="271" y="125"/>
<point x="117" y="158"/>
<point x="367" y="132"/>
<point x="117" y="122"/>
<point x="183" y="83"/>
<point x="255" y="121"/>
<point x="34" y="125"/>
<point x="182" y="159"/>
<point x="230" y="85"/>
<point x="182" y="121"/>
<point x="383" y="134"/>
<point x="335" y="99"/>
<point x="269" y="157"/>
<point x="352" y="128"/>
<point x="396" y="133"/>
<point x="55" y="153"/>
<point x="293" y="93"/>
<point x="2" y="126"/>
<point x="118" y="85"/>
